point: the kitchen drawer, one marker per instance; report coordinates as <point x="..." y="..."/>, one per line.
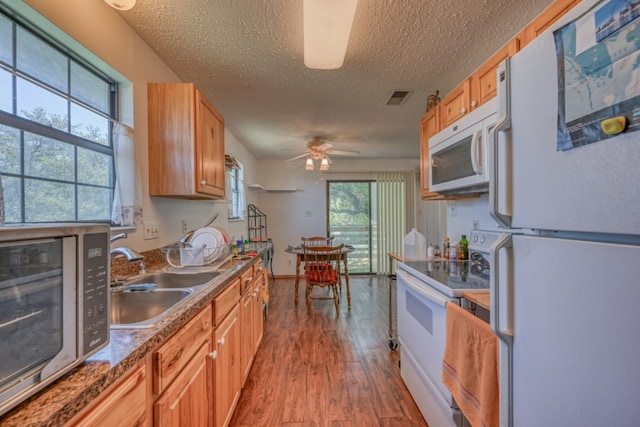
<point x="245" y="279"/>
<point x="226" y="301"/>
<point x="172" y="356"/>
<point x="123" y="404"/>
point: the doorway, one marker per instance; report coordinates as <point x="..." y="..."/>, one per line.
<point x="351" y="218"/>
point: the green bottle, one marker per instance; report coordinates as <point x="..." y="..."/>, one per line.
<point x="463" y="248"/>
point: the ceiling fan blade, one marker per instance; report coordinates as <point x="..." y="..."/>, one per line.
<point x="324" y="146"/>
<point x="343" y="153"/>
<point x="297" y="157"/>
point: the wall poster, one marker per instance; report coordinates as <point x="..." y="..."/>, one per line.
<point x="598" y="72"/>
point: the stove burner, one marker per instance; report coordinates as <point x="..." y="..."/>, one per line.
<point x="479" y="265"/>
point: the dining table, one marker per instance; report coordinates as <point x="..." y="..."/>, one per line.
<point x="300" y="258"/>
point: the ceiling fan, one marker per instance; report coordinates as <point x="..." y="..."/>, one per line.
<point x="317" y="149"/>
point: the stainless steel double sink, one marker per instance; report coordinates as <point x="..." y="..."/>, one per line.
<point x="145" y="300"/>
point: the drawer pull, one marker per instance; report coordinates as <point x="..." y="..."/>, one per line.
<point x="175" y="359"/>
<point x="213" y="355"/>
<point x="221" y="341"/>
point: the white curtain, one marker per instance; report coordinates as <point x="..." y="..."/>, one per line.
<point x="391" y="211"/>
<point x="127" y="194"/>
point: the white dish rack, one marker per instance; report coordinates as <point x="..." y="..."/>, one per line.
<point x="179" y="255"/>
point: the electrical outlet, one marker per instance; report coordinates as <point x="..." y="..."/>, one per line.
<point x="308" y="214"/>
<point x="184" y="226"/>
<point x="289" y="262"/>
<point x="453" y="208"/>
<point x="151" y="230"/>
<point x="476" y="224"/>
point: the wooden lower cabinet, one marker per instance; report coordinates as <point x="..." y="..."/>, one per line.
<point x="196" y="376"/>
<point x="246" y="341"/>
<point x="123" y="404"/>
<point x="226" y="368"/>
<point x="188" y="401"/>
<point x="252" y="324"/>
<point x="258" y="316"/>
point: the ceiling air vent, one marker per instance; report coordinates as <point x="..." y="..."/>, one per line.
<point x="398" y="97"/>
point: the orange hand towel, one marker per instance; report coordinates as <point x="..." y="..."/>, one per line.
<point x="470" y="367"/>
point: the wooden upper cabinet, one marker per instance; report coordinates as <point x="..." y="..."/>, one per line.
<point x="484" y="81"/>
<point x="429" y="126"/>
<point x="186" y="143"/>
<point x="543" y="21"/>
<point x="456" y="104"/>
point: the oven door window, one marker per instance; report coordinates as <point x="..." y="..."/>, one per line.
<point x="453" y="162"/>
<point x="31" y="307"/>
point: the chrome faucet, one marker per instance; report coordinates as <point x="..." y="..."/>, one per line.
<point x="128" y="253"/>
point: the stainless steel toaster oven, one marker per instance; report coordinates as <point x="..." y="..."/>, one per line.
<point x="54" y="303"/>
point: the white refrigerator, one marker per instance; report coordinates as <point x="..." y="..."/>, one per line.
<point x="565" y="282"/>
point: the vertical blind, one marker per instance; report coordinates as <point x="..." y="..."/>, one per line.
<point x="392" y="208"/>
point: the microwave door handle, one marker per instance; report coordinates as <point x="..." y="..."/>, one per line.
<point x="476" y="145"/>
<point x="503" y="124"/>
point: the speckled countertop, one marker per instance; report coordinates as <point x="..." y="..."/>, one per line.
<point x="58" y="403"/>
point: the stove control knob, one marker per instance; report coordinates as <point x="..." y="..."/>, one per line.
<point x="475" y="239"/>
<point x="482" y="239"/>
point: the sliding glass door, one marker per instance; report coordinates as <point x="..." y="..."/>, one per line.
<point x="351" y="216"/>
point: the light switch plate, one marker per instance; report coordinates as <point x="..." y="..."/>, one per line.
<point x="151" y="230"/>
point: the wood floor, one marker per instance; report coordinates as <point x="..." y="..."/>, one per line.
<point x="318" y="369"/>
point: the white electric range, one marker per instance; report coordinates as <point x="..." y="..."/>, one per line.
<point x="424" y="290"/>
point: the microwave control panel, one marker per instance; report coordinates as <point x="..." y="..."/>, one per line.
<point x="95" y="272"/>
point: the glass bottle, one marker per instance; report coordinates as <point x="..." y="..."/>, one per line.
<point x="445" y="248"/>
<point x="463" y="248"/>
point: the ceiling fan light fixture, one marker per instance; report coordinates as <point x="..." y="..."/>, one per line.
<point x="324" y="164"/>
<point x="327" y="26"/>
<point x="309" y="165"/>
<point x="121" y="4"/>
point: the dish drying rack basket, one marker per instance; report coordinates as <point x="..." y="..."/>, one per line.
<point x="182" y="254"/>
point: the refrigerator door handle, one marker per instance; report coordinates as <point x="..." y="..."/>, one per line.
<point x="476" y="155"/>
<point x="501" y="308"/>
<point x="502" y="325"/>
<point x="504" y="123"/>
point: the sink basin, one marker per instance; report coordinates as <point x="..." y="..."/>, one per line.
<point x="131" y="309"/>
<point x="175" y="280"/>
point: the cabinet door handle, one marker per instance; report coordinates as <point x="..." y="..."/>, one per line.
<point x="175" y="359"/>
<point x="203" y="182"/>
<point x="463" y="110"/>
<point x="213" y="355"/>
<point x="221" y="341"/>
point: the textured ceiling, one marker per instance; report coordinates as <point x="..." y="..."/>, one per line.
<point x="247" y="58"/>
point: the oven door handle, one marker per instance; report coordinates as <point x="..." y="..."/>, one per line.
<point x="421" y="288"/>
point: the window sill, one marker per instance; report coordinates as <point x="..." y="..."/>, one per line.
<point x="120" y="229"/>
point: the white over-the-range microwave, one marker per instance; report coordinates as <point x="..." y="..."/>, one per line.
<point x="459" y="154"/>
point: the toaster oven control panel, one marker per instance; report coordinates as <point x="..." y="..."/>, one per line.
<point x="95" y="272"/>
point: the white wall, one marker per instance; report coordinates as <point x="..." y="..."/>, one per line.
<point x="287" y="212"/>
<point x="99" y="29"/>
<point x="466" y="211"/>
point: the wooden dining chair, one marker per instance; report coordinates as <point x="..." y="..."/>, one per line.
<point x="322" y="269"/>
<point x="317" y="241"/>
